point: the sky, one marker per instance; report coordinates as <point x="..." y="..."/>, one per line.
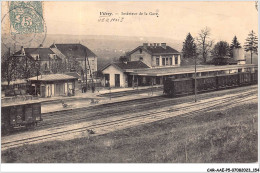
<point x="175" y="19"/>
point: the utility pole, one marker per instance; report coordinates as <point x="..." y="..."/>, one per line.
<point x="26" y="67"/>
<point x="86" y="69"/>
<point x="195" y="83"/>
<point x="91" y="76"/>
<point x="8" y="69"/>
<point x="37" y="60"/>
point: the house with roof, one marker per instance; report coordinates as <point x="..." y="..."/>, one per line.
<point x="156" y="55"/>
<point x="72" y="53"/>
<point x="47" y="59"/>
<point x="147" y="56"/>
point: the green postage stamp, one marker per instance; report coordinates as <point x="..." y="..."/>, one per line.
<point x="26" y="17"/>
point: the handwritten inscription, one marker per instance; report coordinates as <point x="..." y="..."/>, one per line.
<point x="122" y="16"/>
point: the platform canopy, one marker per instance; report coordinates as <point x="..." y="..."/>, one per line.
<point x="187" y="69"/>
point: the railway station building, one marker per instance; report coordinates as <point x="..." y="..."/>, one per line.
<point x="151" y="64"/>
<point x="147" y="56"/>
<point x="54" y="85"/>
<point x="146" y="76"/>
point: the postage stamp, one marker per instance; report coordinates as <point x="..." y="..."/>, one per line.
<point x="26" y="17"/>
<point x="23" y="24"/>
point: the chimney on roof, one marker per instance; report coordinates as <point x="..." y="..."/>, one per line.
<point x="41" y="45"/>
<point x="163" y="45"/>
<point x="22" y="50"/>
<point x="151" y="44"/>
<point x="154" y="44"/>
<point x="145" y="45"/>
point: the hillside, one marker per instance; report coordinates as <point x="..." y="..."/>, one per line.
<point x="109" y="48"/>
<point x="105" y="47"/>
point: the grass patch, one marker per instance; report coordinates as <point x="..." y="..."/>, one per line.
<point x="228" y="136"/>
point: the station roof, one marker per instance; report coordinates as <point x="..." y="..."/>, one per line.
<point x="156" y="50"/>
<point x="74" y="74"/>
<point x="127" y="66"/>
<point x="131" y="65"/>
<point x="186" y="69"/>
<point x="73" y="50"/>
<point x="44" y="53"/>
<point x="52" y="77"/>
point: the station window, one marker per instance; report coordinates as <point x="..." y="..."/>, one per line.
<point x="167" y="61"/>
<point x="163" y="61"/>
<point x="170" y="61"/>
<point x="157" y="61"/>
<point x="176" y="60"/>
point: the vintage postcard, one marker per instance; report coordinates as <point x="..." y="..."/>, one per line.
<point x="130" y="82"/>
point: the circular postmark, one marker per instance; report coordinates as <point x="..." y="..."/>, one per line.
<point x="23" y="25"/>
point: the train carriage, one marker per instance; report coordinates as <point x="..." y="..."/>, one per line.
<point x="174" y="87"/>
<point x="244" y="78"/>
<point x="167" y="87"/>
<point x="18" y="116"/>
<point x="254" y="77"/>
<point x="227" y="80"/>
<point x="206" y="83"/>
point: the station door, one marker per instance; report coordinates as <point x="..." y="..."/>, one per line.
<point x="107" y="80"/>
<point x="117" y="80"/>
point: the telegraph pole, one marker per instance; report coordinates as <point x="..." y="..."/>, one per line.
<point x="195" y="79"/>
<point x="86" y="69"/>
<point x="37" y="60"/>
<point x="8" y="69"/>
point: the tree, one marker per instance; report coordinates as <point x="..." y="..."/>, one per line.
<point x="251" y="44"/>
<point x="8" y="66"/>
<point x="189" y="49"/>
<point x="234" y="44"/>
<point x="204" y="43"/>
<point x="220" y="52"/>
<point x="18" y="67"/>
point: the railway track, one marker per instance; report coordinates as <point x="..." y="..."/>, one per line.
<point x="115" y="104"/>
<point x="109" y="110"/>
<point x="79" y="115"/>
<point x="129" y="120"/>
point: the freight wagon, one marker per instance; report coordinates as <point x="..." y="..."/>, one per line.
<point x="185" y="86"/>
<point x="17" y="116"/>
